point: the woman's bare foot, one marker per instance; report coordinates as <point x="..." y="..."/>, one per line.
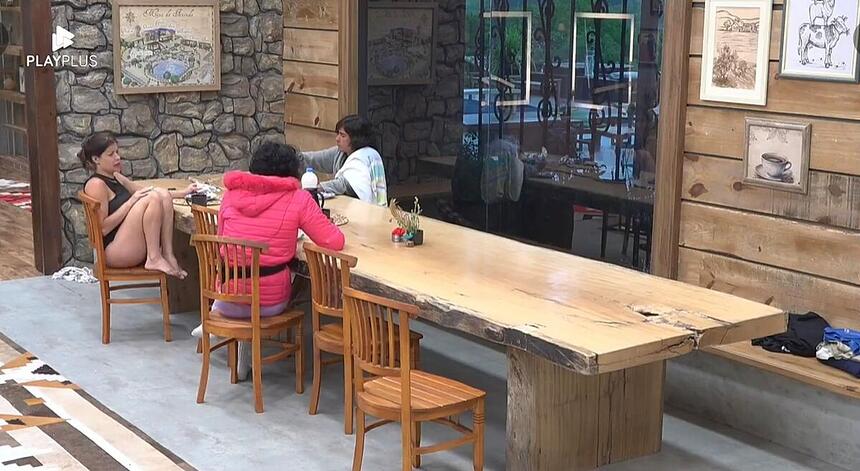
<point x="162" y="265"/>
<point x="181" y="274"/>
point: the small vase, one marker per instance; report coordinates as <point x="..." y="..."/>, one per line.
<point x="418" y="237"/>
<point x="10" y="84"/>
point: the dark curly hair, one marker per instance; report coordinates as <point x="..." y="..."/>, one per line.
<point x="94" y="146"/>
<point x="275" y="160"/>
<point x="360" y="131"/>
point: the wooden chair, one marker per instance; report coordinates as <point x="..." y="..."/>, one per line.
<point x="397" y="393"/>
<point x="205" y="219"/>
<point x="329" y="272"/>
<point x="205" y="223"/>
<point x="230" y="271"/>
<point x="132" y="278"/>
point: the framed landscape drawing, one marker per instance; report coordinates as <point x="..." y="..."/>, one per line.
<point x="401" y="43"/>
<point x="162" y="46"/>
<point x="818" y="40"/>
<point x="777" y="154"/>
<point x="735" y="49"/>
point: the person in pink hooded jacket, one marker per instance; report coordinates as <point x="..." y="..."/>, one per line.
<point x="268" y="205"/>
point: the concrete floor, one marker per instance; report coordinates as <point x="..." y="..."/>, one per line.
<point x="153" y="385"/>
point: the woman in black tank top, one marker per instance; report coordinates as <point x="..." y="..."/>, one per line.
<point x="137" y="221"/>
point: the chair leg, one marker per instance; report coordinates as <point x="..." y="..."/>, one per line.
<point x="300" y="359"/>
<point x="257" y="367"/>
<point x="204" y="372"/>
<point x="478" y="431"/>
<point x="199" y="346"/>
<point x="416" y="443"/>
<point x="348" y="396"/>
<point x="358" y="454"/>
<point x="233" y="360"/>
<point x="315" y="389"/>
<point x="165" y="309"/>
<point x="105" y="289"/>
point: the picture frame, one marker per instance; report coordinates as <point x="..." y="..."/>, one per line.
<point x="526" y="84"/>
<point x="166" y="46"/>
<point x="629" y="18"/>
<point x="735" y="51"/>
<point x="802" y="55"/>
<point x="401" y="43"/>
<point x="777" y="154"/>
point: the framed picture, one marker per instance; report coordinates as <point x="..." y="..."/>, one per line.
<point x="818" y="40"/>
<point x="735" y="49"/>
<point x="162" y="46"/>
<point x="777" y="154"/>
<point x="523" y="89"/>
<point x="401" y="43"/>
<point x="585" y="32"/>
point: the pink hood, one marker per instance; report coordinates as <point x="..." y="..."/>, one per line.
<point x="254" y="194"/>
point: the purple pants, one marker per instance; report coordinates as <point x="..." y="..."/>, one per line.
<point x="243" y="311"/>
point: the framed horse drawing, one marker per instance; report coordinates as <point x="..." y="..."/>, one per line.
<point x="818" y="40"/>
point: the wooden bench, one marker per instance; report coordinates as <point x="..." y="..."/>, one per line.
<point x="806" y="370"/>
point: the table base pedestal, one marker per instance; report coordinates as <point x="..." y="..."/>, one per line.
<point x="562" y="420"/>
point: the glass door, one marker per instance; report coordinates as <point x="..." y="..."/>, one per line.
<point x="561" y="105"/>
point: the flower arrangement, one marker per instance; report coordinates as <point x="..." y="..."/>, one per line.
<point x="408" y="223"/>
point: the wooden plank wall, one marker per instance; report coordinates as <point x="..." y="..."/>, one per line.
<point x="799" y="252"/>
<point x="313" y="71"/>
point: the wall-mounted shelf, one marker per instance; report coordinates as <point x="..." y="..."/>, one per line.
<point x="16" y="9"/>
<point x="9" y="95"/>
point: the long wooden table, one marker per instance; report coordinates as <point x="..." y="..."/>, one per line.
<point x="587" y="341"/>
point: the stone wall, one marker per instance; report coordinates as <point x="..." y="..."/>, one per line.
<point x="425" y="120"/>
<point x="174" y="134"/>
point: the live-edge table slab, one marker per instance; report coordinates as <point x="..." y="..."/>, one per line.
<point x="587" y="341"/>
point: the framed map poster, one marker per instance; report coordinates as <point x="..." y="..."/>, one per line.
<point x="162" y="46"/>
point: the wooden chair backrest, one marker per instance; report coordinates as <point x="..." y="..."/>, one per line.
<point x="377" y="348"/>
<point x="229" y="271"/>
<point x="94" y="228"/>
<point x="329" y="272"/>
<point x="205" y="219"/>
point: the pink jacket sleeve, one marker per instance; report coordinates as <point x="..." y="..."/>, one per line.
<point x="321" y="231"/>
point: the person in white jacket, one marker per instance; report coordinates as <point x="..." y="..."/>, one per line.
<point x="354" y="161"/>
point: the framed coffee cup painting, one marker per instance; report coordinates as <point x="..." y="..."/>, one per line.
<point x="818" y="40"/>
<point x="777" y="154"/>
<point x="735" y="50"/>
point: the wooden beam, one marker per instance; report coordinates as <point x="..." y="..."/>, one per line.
<point x="796" y="97"/>
<point x="43" y="150"/>
<point x="832" y="199"/>
<point x="720" y="131"/>
<point x="348" y="37"/>
<point x="803" y="247"/>
<point x="561" y="420"/>
<point x="310" y="111"/>
<point x="316" y="14"/>
<point x="670" y="141"/>
<point x="785" y="289"/>
<point x="311" y="45"/>
<point x="308" y="78"/>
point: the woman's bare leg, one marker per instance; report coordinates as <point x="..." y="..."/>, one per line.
<point x="128" y="248"/>
<point x="167" y="231"/>
<point x="152" y="222"/>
